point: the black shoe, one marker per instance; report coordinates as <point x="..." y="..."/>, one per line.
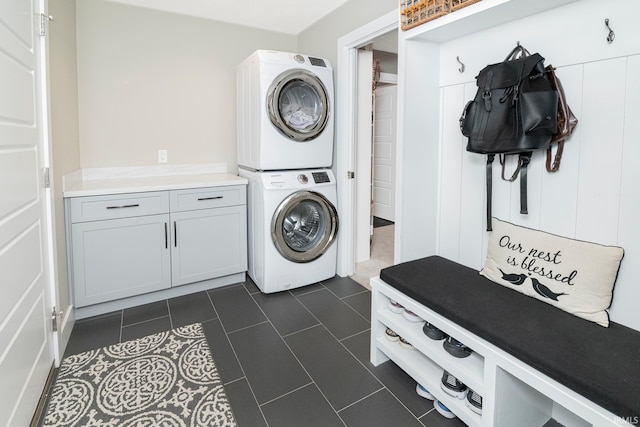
<point x="433" y="332"/>
<point x="456" y="348"/>
<point x="474" y="402"/>
<point x="452" y="386"/>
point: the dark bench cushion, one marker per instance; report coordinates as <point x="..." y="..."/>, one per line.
<point x="601" y="364"/>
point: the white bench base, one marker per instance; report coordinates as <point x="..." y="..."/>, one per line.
<point x="514" y="394"/>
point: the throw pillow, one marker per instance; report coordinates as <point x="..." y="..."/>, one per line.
<point x="573" y="275"/>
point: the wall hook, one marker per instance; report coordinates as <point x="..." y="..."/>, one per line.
<point x="611" y="37"/>
<point x="461" y="69"/>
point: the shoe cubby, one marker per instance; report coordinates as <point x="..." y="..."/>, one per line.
<point x="428" y="359"/>
<point x="469" y="370"/>
<point x="519" y="404"/>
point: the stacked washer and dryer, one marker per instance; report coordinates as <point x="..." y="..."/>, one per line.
<point x="285" y="149"/>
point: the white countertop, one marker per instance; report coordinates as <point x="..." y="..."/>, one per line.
<point x="90" y="184"/>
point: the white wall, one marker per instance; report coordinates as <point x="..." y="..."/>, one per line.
<point x="65" y="153"/>
<point x="322" y="38"/>
<point x="150" y="80"/>
<point x="595" y="195"/>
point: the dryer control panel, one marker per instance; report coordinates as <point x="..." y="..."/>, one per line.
<point x="320" y="177"/>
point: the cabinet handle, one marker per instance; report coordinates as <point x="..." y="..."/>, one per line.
<point x="166" y="237"/>
<point x="175" y="234"/>
<point x="123" y="206"/>
<point x="210" y="198"/>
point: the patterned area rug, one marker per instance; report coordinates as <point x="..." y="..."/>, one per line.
<point x="167" y="379"/>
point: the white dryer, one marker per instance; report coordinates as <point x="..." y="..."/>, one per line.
<point x="293" y="223"/>
<point x="285" y="111"/>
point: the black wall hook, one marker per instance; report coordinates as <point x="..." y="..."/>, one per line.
<point x="612" y="36"/>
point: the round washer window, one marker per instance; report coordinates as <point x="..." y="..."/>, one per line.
<point x="304" y="226"/>
<point x="298" y="105"/>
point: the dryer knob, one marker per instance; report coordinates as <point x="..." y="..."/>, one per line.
<point x="303" y="179"/>
<point x="299" y="58"/>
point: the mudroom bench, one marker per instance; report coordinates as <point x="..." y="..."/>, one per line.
<point x="531" y="362"/>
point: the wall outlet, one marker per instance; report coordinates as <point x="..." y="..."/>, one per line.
<point x="162" y="156"/>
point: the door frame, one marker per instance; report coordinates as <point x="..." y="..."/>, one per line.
<point x="58" y="339"/>
<point x="346" y="125"/>
<point x="363" y="157"/>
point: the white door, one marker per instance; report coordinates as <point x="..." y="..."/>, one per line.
<point x="364" y="227"/>
<point x="384" y="152"/>
<point x="26" y="354"/>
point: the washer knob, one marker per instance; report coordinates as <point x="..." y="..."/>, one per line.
<point x="299" y="58"/>
<point x="303" y="179"/>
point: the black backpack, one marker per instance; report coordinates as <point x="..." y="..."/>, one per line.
<point x="514" y="111"/>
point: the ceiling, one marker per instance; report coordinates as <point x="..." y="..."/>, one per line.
<point x="283" y="16"/>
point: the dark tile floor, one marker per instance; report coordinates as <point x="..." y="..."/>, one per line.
<point x="381" y="222"/>
<point x="296" y="358"/>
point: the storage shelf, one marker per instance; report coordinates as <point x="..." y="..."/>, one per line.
<point x="469" y="370"/>
<point x="428" y="374"/>
<point x="479" y="16"/>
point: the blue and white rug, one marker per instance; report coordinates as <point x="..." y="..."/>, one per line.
<point x="167" y="379"/>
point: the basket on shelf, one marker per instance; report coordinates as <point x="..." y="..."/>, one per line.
<point x="459" y="4"/>
<point x="416" y="12"/>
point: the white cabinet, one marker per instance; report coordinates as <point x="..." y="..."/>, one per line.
<point x="126" y="245"/>
<point x="209" y="234"/>
<point x="119" y="258"/>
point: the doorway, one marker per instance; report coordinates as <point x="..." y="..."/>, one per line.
<point x="348" y="164"/>
<point x="375" y="157"/>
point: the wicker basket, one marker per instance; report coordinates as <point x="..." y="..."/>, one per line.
<point x="459" y="4"/>
<point x="416" y="12"/>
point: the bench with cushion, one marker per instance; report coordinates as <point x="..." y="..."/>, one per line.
<point x="589" y="372"/>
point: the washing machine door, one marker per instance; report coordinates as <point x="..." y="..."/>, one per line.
<point x="298" y="105"/>
<point x="304" y="226"/>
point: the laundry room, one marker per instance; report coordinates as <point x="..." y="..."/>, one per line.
<point x="241" y="254"/>
<point x="150" y="80"/>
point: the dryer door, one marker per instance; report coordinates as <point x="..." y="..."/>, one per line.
<point x="304" y="226"/>
<point x="298" y="105"/>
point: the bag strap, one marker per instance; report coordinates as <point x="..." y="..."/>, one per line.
<point x="489" y="170"/>
<point x="518" y="52"/>
<point x="502" y="158"/>
<point x="521" y="169"/>
<point x="555" y="166"/>
<point x="523" y="160"/>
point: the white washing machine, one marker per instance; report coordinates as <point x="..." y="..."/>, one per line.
<point x="293" y="224"/>
<point x="285" y="111"/>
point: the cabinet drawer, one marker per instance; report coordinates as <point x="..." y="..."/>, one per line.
<point x="118" y="206"/>
<point x="204" y="198"/>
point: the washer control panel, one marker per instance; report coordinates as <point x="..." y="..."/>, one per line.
<point x="296" y="179"/>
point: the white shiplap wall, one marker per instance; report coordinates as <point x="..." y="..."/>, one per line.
<point x="596" y="194"/>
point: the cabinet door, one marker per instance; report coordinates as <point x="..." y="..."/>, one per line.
<point x="208" y="243"/>
<point x="120" y="258"/>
